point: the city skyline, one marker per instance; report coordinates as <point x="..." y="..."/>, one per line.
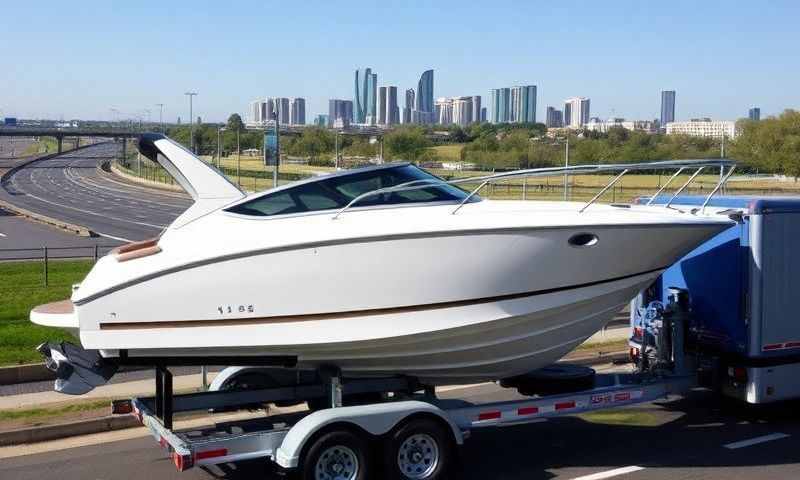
<point x="676" y="50"/>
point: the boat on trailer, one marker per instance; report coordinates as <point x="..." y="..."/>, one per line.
<point x="379" y="271"/>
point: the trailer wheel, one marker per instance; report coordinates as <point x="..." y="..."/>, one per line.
<point x="337" y="455"/>
<point x="420" y="449"/>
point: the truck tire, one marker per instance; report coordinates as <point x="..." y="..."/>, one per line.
<point x="337" y="455"/>
<point x="420" y="449"/>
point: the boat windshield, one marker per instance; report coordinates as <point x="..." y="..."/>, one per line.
<point x="337" y="191"/>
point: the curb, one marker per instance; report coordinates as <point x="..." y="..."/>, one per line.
<point x="64" y="430"/>
<point x="119" y="422"/>
<point x="72" y="228"/>
<point x="33" y="372"/>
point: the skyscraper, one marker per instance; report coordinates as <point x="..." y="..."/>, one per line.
<point x="554" y="119"/>
<point x="340" y="113"/>
<point x="409" y="105"/>
<point x="280" y="109"/>
<point x="523" y="104"/>
<point x="364" y="99"/>
<point x="268" y="112"/>
<point x="462" y="110"/>
<point x="476" y="109"/>
<point x="754" y="114"/>
<point x="483" y="115"/>
<point x="501" y="98"/>
<point x="424" y="108"/>
<point x="667" y="107"/>
<point x="382" y="106"/>
<point x="576" y="112"/>
<point x="298" y="111"/>
<point x="392" y="110"/>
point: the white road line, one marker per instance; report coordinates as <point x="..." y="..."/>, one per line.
<point x="112" y="237"/>
<point x="756" y="441"/>
<point x="2" y="234"/>
<point x="610" y="473"/>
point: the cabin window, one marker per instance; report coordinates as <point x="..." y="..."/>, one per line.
<point x="336" y="191"/>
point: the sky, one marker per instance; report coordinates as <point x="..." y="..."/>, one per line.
<point x="81" y="59"/>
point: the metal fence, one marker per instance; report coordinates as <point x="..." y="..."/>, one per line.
<point x="47" y="254"/>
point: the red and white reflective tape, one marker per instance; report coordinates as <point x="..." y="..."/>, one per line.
<point x="489" y="417"/>
<point x="780" y="346"/>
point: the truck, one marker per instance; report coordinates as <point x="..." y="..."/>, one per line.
<point x="716" y="319"/>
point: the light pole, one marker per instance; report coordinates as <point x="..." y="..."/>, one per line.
<point x="566" y="164"/>
<point x="161" y="116"/>
<point x="191" y="122"/>
<point x="238" y="158"/>
<point x="219" y="145"/>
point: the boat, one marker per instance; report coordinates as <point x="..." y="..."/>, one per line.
<point x="381" y="270"/>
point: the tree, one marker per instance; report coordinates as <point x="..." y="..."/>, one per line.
<point x="235" y="123"/>
<point x="406" y="143"/>
<point x="772" y="144"/>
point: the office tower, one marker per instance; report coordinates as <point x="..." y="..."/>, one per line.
<point x="392" y="110"/>
<point x="754" y="114"/>
<point x="576" y="112"/>
<point x="443" y="111"/>
<point x="364" y="100"/>
<point x="255" y="111"/>
<point x="268" y="112"/>
<point x="424" y="107"/>
<point x="483" y="115"/>
<point x="523" y="104"/>
<point x="340" y="113"/>
<point x="667" y="107"/>
<point x="298" y="111"/>
<point x="476" y="109"/>
<point x="462" y="110"/>
<point x="554" y="119"/>
<point x="382" y="106"/>
<point x="282" y="110"/>
<point x="501" y="98"/>
<point x="409" y="105"/>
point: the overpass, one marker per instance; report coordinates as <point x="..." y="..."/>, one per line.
<point x="60" y="133"/>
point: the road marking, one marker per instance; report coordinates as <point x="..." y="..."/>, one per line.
<point x="610" y="473"/>
<point x="756" y="441"/>
<point x="2" y="234"/>
<point x="112" y="237"/>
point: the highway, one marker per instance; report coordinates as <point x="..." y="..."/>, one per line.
<point x="70" y="188"/>
<point x="696" y="438"/>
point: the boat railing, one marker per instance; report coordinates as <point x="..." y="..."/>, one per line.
<point x="680" y="165"/>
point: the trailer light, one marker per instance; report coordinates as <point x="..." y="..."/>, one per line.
<point x="182" y="462"/>
<point x="738" y="374"/>
<point x="121" y="407"/>
<point x="489" y="415"/>
<point x="565" y="405"/>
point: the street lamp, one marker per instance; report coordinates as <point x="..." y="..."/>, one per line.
<point x="161" y="116"/>
<point x="219" y="145"/>
<point x="238" y="158"/>
<point x="191" y="122"/>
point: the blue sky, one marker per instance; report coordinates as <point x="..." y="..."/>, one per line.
<point x="79" y="59"/>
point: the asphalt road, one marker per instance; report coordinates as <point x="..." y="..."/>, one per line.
<point x="682" y="439"/>
<point x="70" y="188"/>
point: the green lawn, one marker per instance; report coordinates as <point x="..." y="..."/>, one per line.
<point x="21" y="289"/>
<point x="450" y="152"/>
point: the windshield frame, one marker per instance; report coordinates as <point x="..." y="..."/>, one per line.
<point x="356" y="207"/>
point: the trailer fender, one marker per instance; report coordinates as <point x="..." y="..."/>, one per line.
<point x="376" y="419"/>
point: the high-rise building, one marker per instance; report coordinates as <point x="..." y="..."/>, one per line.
<point x="443" y="110"/>
<point x="364" y="99"/>
<point x="340" y="113"/>
<point x="576" y="112"/>
<point x="754" y="114"/>
<point x="321" y="120"/>
<point x="409" y="105"/>
<point x="667" y="107"/>
<point x="483" y="115"/>
<point x="462" y="110"/>
<point x="476" y="109"/>
<point x="703" y="127"/>
<point x="282" y="110"/>
<point x="382" y="106"/>
<point x="554" y="119"/>
<point x="392" y="110"/>
<point x="501" y="100"/>
<point x="298" y="111"/>
<point x="424" y="107"/>
<point x="523" y="104"/>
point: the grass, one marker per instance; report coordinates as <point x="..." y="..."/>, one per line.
<point x="629" y="417"/>
<point x="21" y="289"/>
<point x="450" y="152"/>
<point x="51" y="412"/>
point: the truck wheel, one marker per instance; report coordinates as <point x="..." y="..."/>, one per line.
<point x="337" y="455"/>
<point x="420" y="449"/>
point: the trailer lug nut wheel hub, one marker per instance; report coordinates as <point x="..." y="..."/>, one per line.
<point x="337" y="463"/>
<point x="418" y="456"/>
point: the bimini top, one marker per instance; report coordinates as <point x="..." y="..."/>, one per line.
<point x="337" y="190"/>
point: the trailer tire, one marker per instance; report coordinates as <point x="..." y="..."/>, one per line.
<point x="420" y="449"/>
<point x="338" y="454"/>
